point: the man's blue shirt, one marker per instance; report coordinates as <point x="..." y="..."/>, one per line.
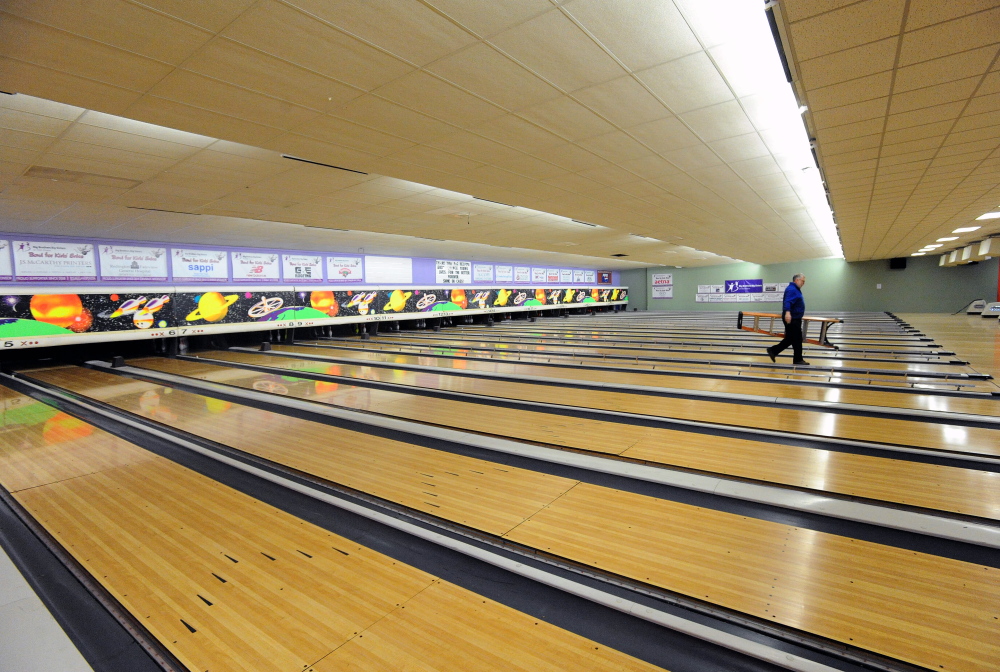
<point x="793" y="301"/>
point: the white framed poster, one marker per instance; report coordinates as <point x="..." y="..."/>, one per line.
<point x="664" y="279"/>
<point x="482" y="272"/>
<point x="132" y="262"/>
<point x="303" y="268"/>
<point x="386" y="270"/>
<point x="662" y="292"/>
<point x="565" y="275"/>
<point x="34" y="260"/>
<point x="522" y="274"/>
<point x="207" y="265"/>
<point x="344" y="269"/>
<point x="504" y="274"/>
<point x="578" y="276"/>
<point x="711" y="289"/>
<point x="552" y="275"/>
<point x="6" y="268"/>
<point x="590" y="276"/>
<point x="449" y="272"/>
<point x="257" y="266"/>
<point x="538" y="275"/>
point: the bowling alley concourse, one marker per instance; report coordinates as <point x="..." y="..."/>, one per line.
<point x="510" y="335"/>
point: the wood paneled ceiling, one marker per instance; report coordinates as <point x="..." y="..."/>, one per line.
<point x="904" y="102"/>
<point x="622" y="113"/>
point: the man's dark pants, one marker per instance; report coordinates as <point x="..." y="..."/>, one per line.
<point x="793" y="337"/>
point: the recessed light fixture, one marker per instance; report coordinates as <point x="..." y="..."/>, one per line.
<point x="918" y="254"/>
<point x="803" y="109"/>
<point x="967" y="229"/>
<point x="945" y="240"/>
<point x="931" y="247"/>
<point x="989" y="215"/>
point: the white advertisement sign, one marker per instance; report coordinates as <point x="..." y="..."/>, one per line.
<point x="448" y="272"/>
<point x="131" y="262"/>
<point x="522" y="274"/>
<point x="6" y="268"/>
<point x="505" y="274"/>
<point x="387" y="270"/>
<point x="344" y="269"/>
<point x="256" y="266"/>
<point x="210" y="265"/>
<point x="665" y="279"/>
<point x="578" y="276"/>
<point x="590" y="276"/>
<point x="54" y="261"/>
<point x="565" y="275"/>
<point x="482" y="272"/>
<point x="552" y="275"/>
<point x="538" y="275"/>
<point x="302" y="267"/>
<point x="711" y="289"/>
<point x="663" y="292"/>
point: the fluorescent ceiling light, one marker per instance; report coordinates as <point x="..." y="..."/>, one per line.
<point x="737" y="37"/>
<point x="931" y="247"/>
<point x="918" y="254"/>
<point x="989" y="215"/>
<point x="945" y="240"/>
<point x="803" y="109"/>
<point x="967" y="229"/>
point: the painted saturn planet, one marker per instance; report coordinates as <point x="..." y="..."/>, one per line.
<point x="212" y="307"/>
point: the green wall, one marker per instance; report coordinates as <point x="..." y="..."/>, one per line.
<point x="832" y="284"/>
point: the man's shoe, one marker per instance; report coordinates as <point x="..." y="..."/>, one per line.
<point x="770" y="353"/>
<point x="800" y="362"/>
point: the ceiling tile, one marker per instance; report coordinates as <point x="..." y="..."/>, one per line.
<point x="857" y="23"/>
<point x="687" y="83"/>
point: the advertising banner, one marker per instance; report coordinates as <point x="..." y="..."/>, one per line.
<point x="663" y="279"/>
<point x="202" y="265"/>
<point x="59" y="261"/>
<point x="344" y="269"/>
<point x="131" y="262"/>
<point x="710" y="289"/>
<point x="448" y="272"/>
<point x="552" y="275"/>
<point x="539" y="275"/>
<point x="590" y="277"/>
<point x="304" y="268"/>
<point x="744" y="286"/>
<point x="663" y="292"/>
<point x="578" y="276"/>
<point x="482" y="272"/>
<point x="6" y="267"/>
<point x="256" y="266"/>
<point x="505" y="274"/>
<point x="565" y="275"/>
<point x="522" y="274"/>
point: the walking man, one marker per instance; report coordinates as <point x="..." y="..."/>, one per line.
<point x="792" y="309"/>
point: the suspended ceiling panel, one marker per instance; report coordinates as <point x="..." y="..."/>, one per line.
<point x="624" y="114"/>
<point x="904" y="101"/>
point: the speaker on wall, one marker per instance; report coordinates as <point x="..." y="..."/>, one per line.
<point x="897" y="264"/>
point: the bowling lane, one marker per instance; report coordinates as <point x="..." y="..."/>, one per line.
<point x="934" y="436"/>
<point x="920" y="608"/>
<point x="498" y="362"/>
<point x="161" y="538"/>
<point x="641" y="359"/>
<point x="964" y="491"/>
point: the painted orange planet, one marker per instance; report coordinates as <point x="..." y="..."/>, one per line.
<point x="61" y="310"/>
<point x="595" y="294"/>
<point x="540" y="295"/>
<point x="458" y="298"/>
<point x="212" y="307"/>
<point x="325" y="302"/>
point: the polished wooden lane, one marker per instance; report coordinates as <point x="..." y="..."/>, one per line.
<point x="700" y="357"/>
<point x="929" y="435"/>
<point x="964" y="491"/>
<point x="160" y="538"/>
<point x="663" y="376"/>
<point x="977" y="339"/>
<point x="859" y="593"/>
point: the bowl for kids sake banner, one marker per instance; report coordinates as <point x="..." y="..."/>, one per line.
<point x="200" y="265"/>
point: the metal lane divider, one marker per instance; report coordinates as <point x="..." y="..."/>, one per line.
<point x="907" y="521"/>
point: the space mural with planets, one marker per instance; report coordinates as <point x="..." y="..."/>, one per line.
<point x="24" y="315"/>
